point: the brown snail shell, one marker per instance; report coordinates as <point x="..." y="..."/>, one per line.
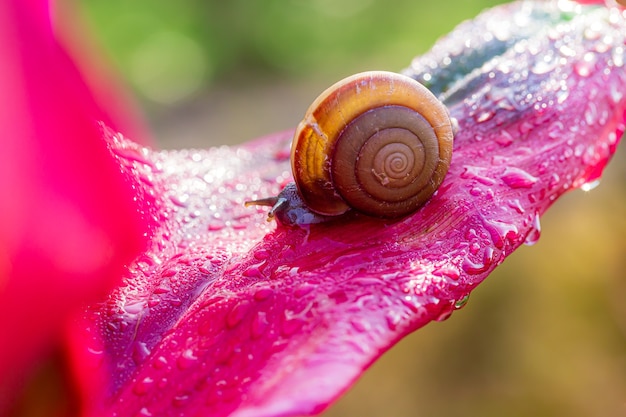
<point x="376" y="142"/>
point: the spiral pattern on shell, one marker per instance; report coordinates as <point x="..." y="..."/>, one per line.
<point x="377" y="142"/>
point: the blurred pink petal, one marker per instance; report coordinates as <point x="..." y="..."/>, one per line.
<point x="227" y="314"/>
<point x="68" y="222"/>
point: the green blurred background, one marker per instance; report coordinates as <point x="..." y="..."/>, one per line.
<point x="543" y="336"/>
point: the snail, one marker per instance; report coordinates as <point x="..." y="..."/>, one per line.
<point x="379" y="143"/>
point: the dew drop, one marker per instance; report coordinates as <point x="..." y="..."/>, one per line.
<point x="289" y="327"/>
<point x="446" y="312"/>
<point x="263" y="293"/>
<point x="583" y="68"/>
<point x="393" y="319"/>
<point x="544" y="66"/>
<point x="504" y="138"/>
<point x="618" y="56"/>
<point x="144" y="412"/>
<point x="236" y="315"/>
<point x="140" y="352"/>
<point x="567" y="51"/>
<point x="303" y="290"/>
<point x="160" y="363"/>
<point x="259" y="325"/>
<point x="554" y="181"/>
<point x="535" y="232"/>
<point x="591" y="113"/>
<point x="143" y="386"/>
<point x="588" y="186"/>
<point x="476" y="191"/>
<point x="181" y="200"/>
<point x="135" y="307"/>
<point x="562" y="95"/>
<point x="592" y="33"/>
<point x="555" y="130"/>
<point x="461" y="302"/>
<point x="180" y="400"/>
<point x="474" y="268"/>
<point x="447" y="271"/>
<point x="163" y="382"/>
<point x="616" y="93"/>
<point x="154" y="301"/>
<point x="516" y="205"/>
<point x="484" y="116"/>
<point x="476" y="173"/>
<point x="169" y="272"/>
<point x="186" y="360"/>
<point x="518" y="178"/>
<point x="500" y="232"/>
<point x="525" y="127"/>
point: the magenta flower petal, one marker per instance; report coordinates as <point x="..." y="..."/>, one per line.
<point x="68" y="222"/>
<point x="227" y="314"/>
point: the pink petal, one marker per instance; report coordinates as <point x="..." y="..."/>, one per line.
<point x="229" y="315"/>
<point x="68" y="222"/>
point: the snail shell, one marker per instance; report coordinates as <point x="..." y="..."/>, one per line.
<point x="376" y="142"/>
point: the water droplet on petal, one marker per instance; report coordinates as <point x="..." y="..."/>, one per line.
<point x="478" y="174"/>
<point x="591" y="113"/>
<point x="393" y="319"/>
<point x="160" y="363"/>
<point x="582" y="68"/>
<point x="518" y="178"/>
<point x="143" y="386"/>
<point x="303" y="290"/>
<point x="448" y="271"/>
<point x="446" y="312"/>
<point x="588" y="186"/>
<point x="140" y="352"/>
<point x="525" y="127"/>
<point x="181" y="200"/>
<point x="238" y="312"/>
<point x="144" y="412"/>
<point x="544" y="66"/>
<point x="555" y="130"/>
<point x="500" y="232"/>
<point x="259" y="324"/>
<point x="484" y="116"/>
<point x="616" y="93"/>
<point x="474" y="268"/>
<point x="516" y="205"/>
<point x="180" y="400"/>
<point x="263" y="293"/>
<point x="461" y="302"/>
<point x="504" y="138"/>
<point x="567" y="51"/>
<point x="187" y="360"/>
<point x="562" y="96"/>
<point x="535" y="232"/>
<point x="290" y="326"/>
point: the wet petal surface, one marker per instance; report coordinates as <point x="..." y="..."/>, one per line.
<point x="227" y="314"/>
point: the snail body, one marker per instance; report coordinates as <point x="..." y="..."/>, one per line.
<point x="376" y="142"/>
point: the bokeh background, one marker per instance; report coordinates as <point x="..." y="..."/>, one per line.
<point x="545" y="335"/>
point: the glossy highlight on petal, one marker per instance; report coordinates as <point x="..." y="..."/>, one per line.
<point x="228" y="315"/>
